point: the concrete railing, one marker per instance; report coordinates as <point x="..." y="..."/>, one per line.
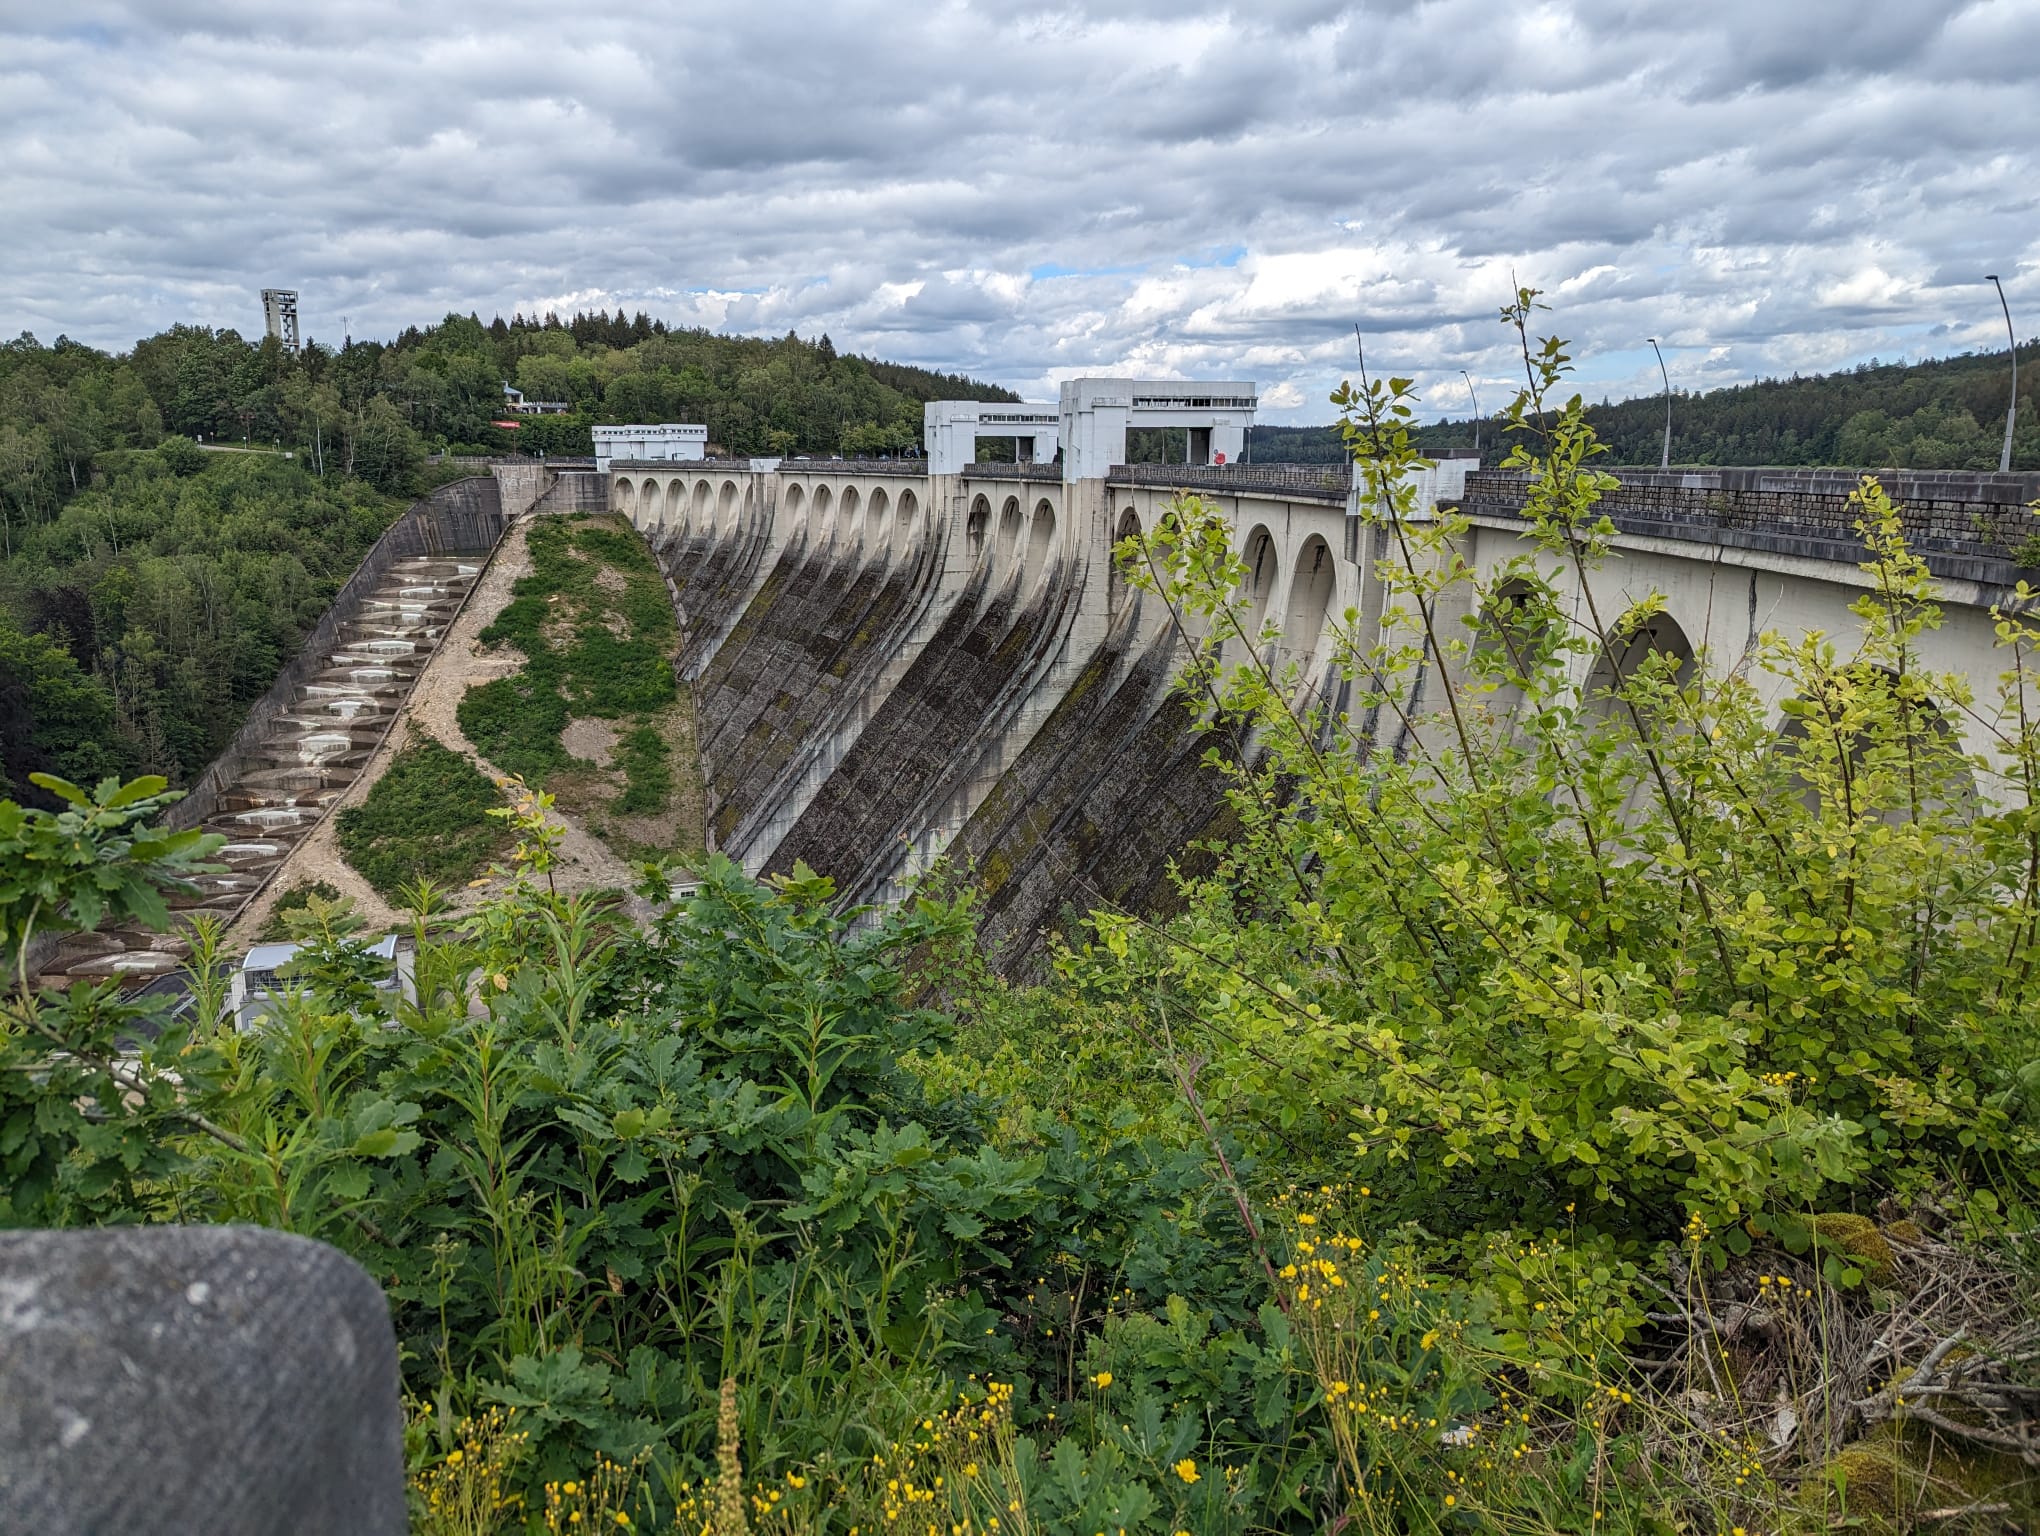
<point x="913" y="468"/>
<point x="483" y="463"/>
<point x="1046" y="472"/>
<point x="1966" y="524"/>
<point x="1319" y="482"/>
<point x="463" y="517"/>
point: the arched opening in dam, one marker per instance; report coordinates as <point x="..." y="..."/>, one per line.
<point x="1011" y="524"/>
<point x="1509" y="643"/>
<point x="1118" y="591"/>
<point x="1310" y="600"/>
<point x="1257" y="591"/>
<point x="1040" y="546"/>
<point x="904" y="526"/>
<point x="1627" y="654"/>
<point x="822" y="521"/>
<point x="878" y="528"/>
<point x="849" y="541"/>
<point x="626" y="496"/>
<point x="1821" y="730"/>
<point x="977" y="528"/>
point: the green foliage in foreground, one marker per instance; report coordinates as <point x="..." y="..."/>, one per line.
<point x="1631" y="959"/>
<point x="426" y="818"/>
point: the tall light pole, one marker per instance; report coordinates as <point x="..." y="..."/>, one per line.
<point x="2012" y="410"/>
<point x="1664" y="459"/>
<point x="1476" y="412"/>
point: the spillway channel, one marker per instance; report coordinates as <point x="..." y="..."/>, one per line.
<point x="309" y="756"/>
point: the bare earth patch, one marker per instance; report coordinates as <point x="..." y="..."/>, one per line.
<point x="593" y="741"/>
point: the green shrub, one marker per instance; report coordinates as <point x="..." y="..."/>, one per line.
<point x="1637" y="963"/>
<point x="180" y="455"/>
<point x="647" y="771"/>
<point x="515" y="722"/>
<point x="426" y="818"/>
<point x="293" y="901"/>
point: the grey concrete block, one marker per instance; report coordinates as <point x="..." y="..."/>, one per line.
<point x="224" y="1380"/>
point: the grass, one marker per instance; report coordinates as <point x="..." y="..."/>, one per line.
<point x="427" y="817"/>
<point x="595" y="625"/>
<point x="647" y="765"/>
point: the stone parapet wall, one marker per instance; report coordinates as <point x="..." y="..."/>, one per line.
<point x="914" y="469"/>
<point x="1320" y="482"/>
<point x="1046" y="472"/>
<point x="1966" y="524"/>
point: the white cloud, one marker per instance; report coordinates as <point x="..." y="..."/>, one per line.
<point x="1032" y="193"/>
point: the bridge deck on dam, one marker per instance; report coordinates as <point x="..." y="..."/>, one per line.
<point x="895" y="665"/>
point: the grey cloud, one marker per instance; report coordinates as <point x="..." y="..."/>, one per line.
<point x="1773" y="186"/>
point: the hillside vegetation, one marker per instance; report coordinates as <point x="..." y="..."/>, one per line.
<point x="425" y="818"/>
<point x="1948" y="413"/>
<point x="594" y="714"/>
<point x="151" y="589"/>
<point x="1606" y="1115"/>
<point x="141" y="618"/>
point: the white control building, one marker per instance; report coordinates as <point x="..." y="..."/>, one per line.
<point x="673" y="440"/>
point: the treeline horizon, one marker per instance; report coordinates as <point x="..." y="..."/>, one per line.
<point x="1938" y="413"/>
<point x="376" y="409"/>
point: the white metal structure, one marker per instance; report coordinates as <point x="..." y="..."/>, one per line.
<point x="256" y="985"/>
<point x="671" y="441"/>
<point x="950" y="430"/>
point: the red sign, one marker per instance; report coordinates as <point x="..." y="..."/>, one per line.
<point x="1218" y="458"/>
<point x="507" y="426"/>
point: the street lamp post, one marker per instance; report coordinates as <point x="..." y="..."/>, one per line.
<point x="1665" y="458"/>
<point x="1476" y="412"/>
<point x="2012" y="410"/>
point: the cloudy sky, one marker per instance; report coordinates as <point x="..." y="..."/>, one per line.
<point x="1027" y="193"/>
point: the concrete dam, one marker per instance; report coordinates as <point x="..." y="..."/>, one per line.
<point x="878" y="683"/>
<point x="895" y="663"/>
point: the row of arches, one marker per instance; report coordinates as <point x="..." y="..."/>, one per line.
<point x="855" y="526"/>
<point x="1022" y="542"/>
<point x="703" y="509"/>
<point x="1659" y="643"/>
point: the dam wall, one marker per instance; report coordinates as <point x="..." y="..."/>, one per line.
<point x="892" y="668"/>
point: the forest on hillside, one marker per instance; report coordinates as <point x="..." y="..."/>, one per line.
<point x="374" y="410"/>
<point x="1947" y="413"/>
<point x="151" y="587"/>
<point x="140" y="621"/>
